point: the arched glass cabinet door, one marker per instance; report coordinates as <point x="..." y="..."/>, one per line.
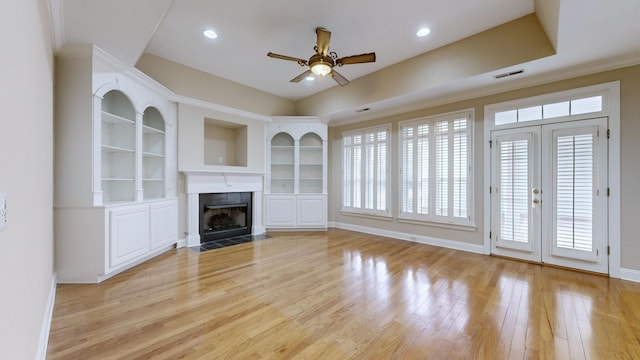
<point x="310" y="164"/>
<point x="118" y="147"/>
<point x="282" y="164"/>
<point x="153" y="154"/>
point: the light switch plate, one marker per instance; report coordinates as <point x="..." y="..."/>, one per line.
<point x="3" y="211"/>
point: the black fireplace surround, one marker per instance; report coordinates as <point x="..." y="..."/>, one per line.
<point x="224" y="215"/>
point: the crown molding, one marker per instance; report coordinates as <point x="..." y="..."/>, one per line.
<point x="220" y="108"/>
<point x="56" y="22"/>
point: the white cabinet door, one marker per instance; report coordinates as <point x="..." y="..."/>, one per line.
<point x="280" y="211"/>
<point x="312" y="211"/>
<point x="128" y="234"/>
<point x="163" y="223"/>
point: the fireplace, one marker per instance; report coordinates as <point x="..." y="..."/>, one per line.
<point x="224" y="215"/>
<point x="218" y="182"/>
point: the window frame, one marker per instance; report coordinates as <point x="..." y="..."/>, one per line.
<point x="449" y="221"/>
<point x="362" y="210"/>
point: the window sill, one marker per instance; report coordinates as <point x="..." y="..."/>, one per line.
<point x="446" y="225"/>
<point x="367" y="215"/>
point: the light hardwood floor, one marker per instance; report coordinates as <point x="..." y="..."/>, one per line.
<point x="345" y="295"/>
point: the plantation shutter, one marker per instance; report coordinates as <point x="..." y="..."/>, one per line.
<point x="436" y="174"/>
<point x="460" y="168"/>
<point x="574" y="171"/>
<point x="442" y="168"/>
<point x="365" y="170"/>
<point x="513" y="188"/>
<point x="408" y="188"/>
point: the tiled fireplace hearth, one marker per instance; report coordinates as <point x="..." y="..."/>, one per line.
<point x="207" y="182"/>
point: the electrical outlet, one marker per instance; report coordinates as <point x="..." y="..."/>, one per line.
<point x="3" y="211"/>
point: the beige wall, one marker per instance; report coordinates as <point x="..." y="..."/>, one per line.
<point x="191" y="139"/>
<point x="510" y="44"/>
<point x="26" y="173"/>
<point x="199" y="85"/>
<point x="219" y="145"/>
<point x="630" y="148"/>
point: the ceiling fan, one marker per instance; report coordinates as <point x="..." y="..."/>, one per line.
<point x="322" y="63"/>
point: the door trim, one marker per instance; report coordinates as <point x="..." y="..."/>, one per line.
<point x="611" y="109"/>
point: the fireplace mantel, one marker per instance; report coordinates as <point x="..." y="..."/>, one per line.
<point x="221" y="181"/>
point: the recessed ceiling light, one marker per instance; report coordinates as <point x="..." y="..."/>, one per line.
<point x="310" y="78"/>
<point x="423" y="32"/>
<point x="210" y="34"/>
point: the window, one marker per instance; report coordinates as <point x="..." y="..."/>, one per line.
<point x="365" y="175"/>
<point x="577" y="106"/>
<point x="436" y="176"/>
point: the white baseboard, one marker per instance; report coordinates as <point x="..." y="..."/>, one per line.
<point x="181" y="243"/>
<point x="630" y="274"/>
<point x="449" y="244"/>
<point x="46" y="321"/>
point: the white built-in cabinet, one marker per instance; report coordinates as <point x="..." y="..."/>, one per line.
<point x="296" y="179"/>
<point x="115" y="168"/>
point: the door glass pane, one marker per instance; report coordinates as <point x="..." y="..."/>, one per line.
<point x="514" y="190"/>
<point x="574" y="191"/>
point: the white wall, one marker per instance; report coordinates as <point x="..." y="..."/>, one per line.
<point x="26" y="175"/>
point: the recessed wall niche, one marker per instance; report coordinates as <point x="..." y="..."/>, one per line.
<point x="225" y="143"/>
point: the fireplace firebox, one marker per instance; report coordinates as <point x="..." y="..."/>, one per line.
<point x="224" y="215"/>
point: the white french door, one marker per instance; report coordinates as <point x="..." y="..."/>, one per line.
<point x="549" y="194"/>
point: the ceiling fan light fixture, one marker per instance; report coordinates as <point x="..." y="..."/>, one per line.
<point x="320" y="68"/>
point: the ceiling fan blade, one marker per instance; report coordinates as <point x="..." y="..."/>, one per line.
<point x="357" y="59"/>
<point x="341" y="80"/>
<point x="285" y="57"/>
<point x="324" y="37"/>
<point x="301" y="76"/>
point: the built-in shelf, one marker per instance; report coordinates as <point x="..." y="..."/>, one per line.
<point x="114" y="119"/>
<point x="151" y="131"/>
<point x="113" y="155"/>
<point x="153" y="154"/>
<point x="110" y="148"/>
<point x="296" y="189"/>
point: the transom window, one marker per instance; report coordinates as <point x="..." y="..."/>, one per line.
<point x="436" y="177"/>
<point x="583" y="105"/>
<point x="365" y="179"/>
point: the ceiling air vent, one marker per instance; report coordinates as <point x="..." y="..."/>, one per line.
<point x="500" y="76"/>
